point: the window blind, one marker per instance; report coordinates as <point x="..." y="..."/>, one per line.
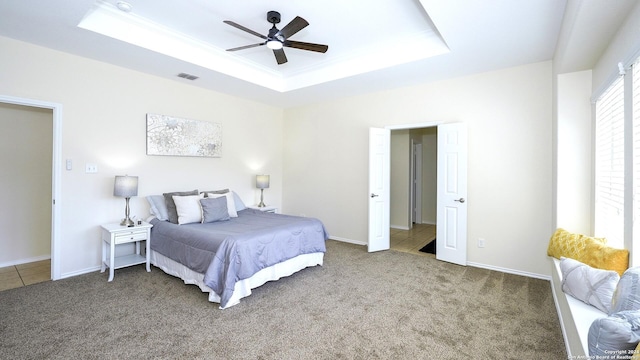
<point x="636" y="150"/>
<point x="609" y="165"/>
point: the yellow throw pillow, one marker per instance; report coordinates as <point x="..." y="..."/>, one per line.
<point x="570" y="245"/>
<point x="636" y="353"/>
<point x="601" y="256"/>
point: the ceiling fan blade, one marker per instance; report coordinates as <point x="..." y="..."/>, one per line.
<point x="246" y="47"/>
<point x="238" y="26"/>
<point x="293" y="27"/>
<point x="281" y="58"/>
<point x="306" y="46"/>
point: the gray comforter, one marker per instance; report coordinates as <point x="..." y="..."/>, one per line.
<point x="233" y="250"/>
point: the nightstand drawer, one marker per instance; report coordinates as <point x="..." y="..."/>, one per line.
<point x="131" y="236"/>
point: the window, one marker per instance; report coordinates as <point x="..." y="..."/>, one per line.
<point x="609" y="165"/>
<point x="617" y="162"/>
<point x="636" y="152"/>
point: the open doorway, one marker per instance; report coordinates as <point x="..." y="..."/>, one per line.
<point x="39" y="147"/>
<point x="413" y="189"/>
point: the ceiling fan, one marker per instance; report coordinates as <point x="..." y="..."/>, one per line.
<point x="277" y="39"/>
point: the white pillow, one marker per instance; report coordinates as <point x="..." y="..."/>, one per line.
<point x="231" y="203"/>
<point x="158" y="207"/>
<point x="615" y="336"/>
<point x="627" y="294"/>
<point x="238" y="202"/>
<point x="590" y="285"/>
<point x="188" y="208"/>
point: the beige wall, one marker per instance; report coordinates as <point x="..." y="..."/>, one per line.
<point x="26" y="143"/>
<point x="624" y="47"/>
<point x="509" y="117"/>
<point x="103" y="122"/>
<point x="574" y="153"/>
<point x="429" y="140"/>
<point x="400" y="179"/>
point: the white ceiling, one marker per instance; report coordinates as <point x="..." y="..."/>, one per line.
<point x="373" y="45"/>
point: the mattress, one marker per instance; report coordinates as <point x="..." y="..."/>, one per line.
<point x="227" y="252"/>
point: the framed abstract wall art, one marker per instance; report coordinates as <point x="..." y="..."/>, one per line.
<point x="172" y="136"/>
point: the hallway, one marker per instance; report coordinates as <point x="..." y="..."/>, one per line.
<point x="413" y="240"/>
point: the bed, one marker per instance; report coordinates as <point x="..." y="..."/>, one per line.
<point x="227" y="258"/>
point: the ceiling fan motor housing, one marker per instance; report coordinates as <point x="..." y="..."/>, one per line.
<point x="277" y="39"/>
<point x="273" y="17"/>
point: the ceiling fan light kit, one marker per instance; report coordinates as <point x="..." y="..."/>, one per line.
<point x="274" y="44"/>
<point x="277" y="39"/>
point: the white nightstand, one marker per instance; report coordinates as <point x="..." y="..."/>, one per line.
<point x="270" y="209"/>
<point x="116" y="234"/>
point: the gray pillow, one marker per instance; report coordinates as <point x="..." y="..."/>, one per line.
<point x="171" y="205"/>
<point x="223" y="191"/>
<point x="214" y="209"/>
<point x="593" y="286"/>
<point x="236" y="199"/>
<point x="617" y="334"/>
<point x="627" y="294"/>
<point x="158" y="207"/>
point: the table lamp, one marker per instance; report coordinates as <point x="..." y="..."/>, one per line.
<point x="126" y="187"/>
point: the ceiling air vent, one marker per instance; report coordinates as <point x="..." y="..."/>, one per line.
<point x="187" y="76"/>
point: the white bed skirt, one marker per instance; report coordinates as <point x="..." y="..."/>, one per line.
<point x="243" y="287"/>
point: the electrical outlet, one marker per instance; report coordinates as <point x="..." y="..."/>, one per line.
<point x="91" y="168"/>
<point x="480" y="242"/>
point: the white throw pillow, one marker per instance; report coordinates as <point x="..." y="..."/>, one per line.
<point x="627" y="294"/>
<point x="188" y="208"/>
<point x="615" y="336"/>
<point x="231" y="204"/>
<point x="590" y="285"/>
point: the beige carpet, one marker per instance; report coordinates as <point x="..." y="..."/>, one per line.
<point x="387" y="305"/>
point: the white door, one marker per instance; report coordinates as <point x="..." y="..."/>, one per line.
<point x="378" y="195"/>
<point x="451" y="227"/>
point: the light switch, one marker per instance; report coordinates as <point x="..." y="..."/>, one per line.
<point x="91" y="168"/>
<point x="69" y="164"/>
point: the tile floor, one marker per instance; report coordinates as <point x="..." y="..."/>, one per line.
<point x="24" y="274"/>
<point x="413" y="240"/>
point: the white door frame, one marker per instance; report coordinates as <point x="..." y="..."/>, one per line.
<point x="55" y="164"/>
<point x="376" y="239"/>
<point x="416" y="183"/>
<point x="439" y="224"/>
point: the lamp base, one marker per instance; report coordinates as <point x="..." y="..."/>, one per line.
<point x="127" y="222"/>
<point x="262" y="204"/>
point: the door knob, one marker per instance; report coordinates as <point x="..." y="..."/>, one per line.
<point x="374" y="195"/>
<point x="461" y="200"/>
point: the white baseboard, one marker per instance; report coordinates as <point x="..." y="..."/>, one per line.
<point x="399" y="227"/>
<point x="25" y="261"/>
<point x="81" y="272"/>
<point x="510" y="271"/>
<point x="350" y="241"/>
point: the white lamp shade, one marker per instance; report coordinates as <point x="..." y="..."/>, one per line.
<point x="262" y="181"/>
<point x="125" y="186"/>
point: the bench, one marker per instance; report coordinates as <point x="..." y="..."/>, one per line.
<point x="575" y="316"/>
